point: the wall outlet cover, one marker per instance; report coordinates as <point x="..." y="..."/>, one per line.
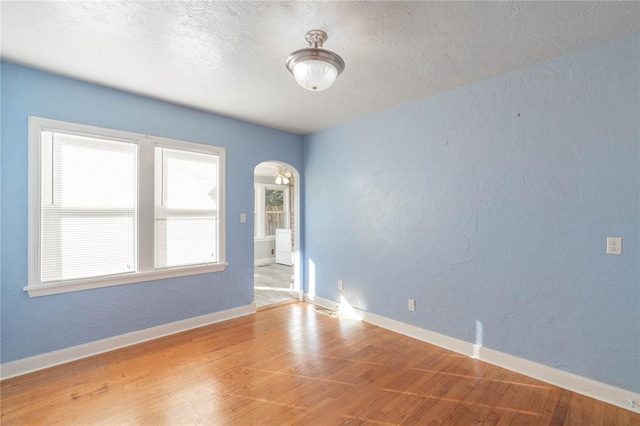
<point x="614" y="245"/>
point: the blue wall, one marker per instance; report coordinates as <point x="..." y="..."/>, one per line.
<point x="35" y="326"/>
<point x="492" y="203"/>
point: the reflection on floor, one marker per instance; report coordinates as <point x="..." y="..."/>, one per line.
<point x="272" y="284"/>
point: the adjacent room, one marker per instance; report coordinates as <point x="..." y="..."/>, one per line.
<point x="273" y="222"/>
<point x="320" y="212"/>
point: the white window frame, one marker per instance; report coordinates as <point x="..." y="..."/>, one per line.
<point x="146" y="209"/>
<point x="260" y="214"/>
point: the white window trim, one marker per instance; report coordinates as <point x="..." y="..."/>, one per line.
<point x="146" y="271"/>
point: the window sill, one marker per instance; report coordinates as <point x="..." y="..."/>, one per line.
<point x="69" y="286"/>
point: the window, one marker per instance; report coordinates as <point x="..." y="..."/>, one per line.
<point x="275" y="214"/>
<point x="109" y="207"/>
<point x="88" y="206"/>
<point x="271" y="209"/>
<point x="186" y="207"/>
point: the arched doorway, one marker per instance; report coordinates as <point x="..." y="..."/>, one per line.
<point x="276" y="234"/>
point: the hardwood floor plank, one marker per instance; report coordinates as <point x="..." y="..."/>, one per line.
<point x="291" y="365"/>
<point x="580" y="410"/>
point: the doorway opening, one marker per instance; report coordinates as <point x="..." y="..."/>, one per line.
<point x="276" y="234"/>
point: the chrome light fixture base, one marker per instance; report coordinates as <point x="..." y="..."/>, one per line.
<point x="315" y="54"/>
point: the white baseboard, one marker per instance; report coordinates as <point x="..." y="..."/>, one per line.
<point x="62" y="356"/>
<point x="578" y="384"/>
<point x="265" y="261"/>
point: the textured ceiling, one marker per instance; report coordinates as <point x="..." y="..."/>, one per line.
<point x="228" y="57"/>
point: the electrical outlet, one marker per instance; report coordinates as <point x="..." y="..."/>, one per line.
<point x="411" y="305"/>
<point x="340" y="284"/>
<point x="614" y="245"/>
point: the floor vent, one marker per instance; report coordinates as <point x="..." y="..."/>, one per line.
<point x="325" y="311"/>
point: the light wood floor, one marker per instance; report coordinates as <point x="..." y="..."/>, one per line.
<point x="292" y="365"/>
<point x="272" y="284"/>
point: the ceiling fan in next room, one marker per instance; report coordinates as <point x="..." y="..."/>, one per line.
<point x="283" y="176"/>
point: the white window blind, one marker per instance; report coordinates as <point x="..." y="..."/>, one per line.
<point x="186" y="200"/>
<point x="89" y="197"/>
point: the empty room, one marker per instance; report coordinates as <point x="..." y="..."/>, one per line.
<point x="319" y="213"/>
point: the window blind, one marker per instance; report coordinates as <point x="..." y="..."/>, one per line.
<point x="89" y="198"/>
<point x="186" y="208"/>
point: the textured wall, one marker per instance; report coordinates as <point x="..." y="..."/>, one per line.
<point x="38" y="325"/>
<point x="490" y="205"/>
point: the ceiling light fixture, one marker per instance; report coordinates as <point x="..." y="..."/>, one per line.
<point x="283" y="177"/>
<point x="313" y="67"/>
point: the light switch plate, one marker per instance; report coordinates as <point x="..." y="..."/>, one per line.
<point x="243" y="218"/>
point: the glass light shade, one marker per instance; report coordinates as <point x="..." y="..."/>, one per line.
<point x="315" y="75"/>
<point x="281" y="180"/>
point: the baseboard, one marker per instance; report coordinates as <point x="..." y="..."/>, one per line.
<point x="62" y="356"/>
<point x="264" y="262"/>
<point x="601" y="391"/>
